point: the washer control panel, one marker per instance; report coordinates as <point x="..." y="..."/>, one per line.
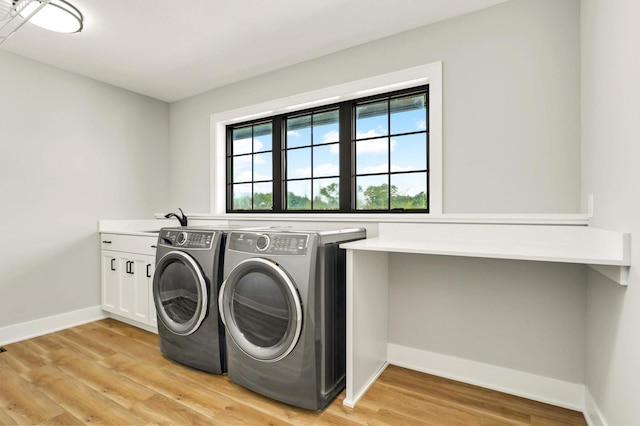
<point x="288" y="244"/>
<point x="186" y="239"/>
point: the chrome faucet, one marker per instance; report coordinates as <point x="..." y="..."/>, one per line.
<point x="182" y="219"/>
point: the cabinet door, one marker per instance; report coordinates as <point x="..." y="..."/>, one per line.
<point x="153" y="318"/>
<point x="127" y="286"/>
<point x="110" y="267"/>
<point x="134" y="302"/>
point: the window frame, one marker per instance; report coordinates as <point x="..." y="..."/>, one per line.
<point x="430" y="74"/>
<point x="347" y="176"/>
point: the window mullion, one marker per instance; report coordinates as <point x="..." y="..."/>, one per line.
<point x="347" y="178"/>
<point x="229" y="186"/>
<point x="389" y="153"/>
<point x="278" y="143"/>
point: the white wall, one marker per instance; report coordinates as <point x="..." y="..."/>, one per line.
<point x="511" y="106"/>
<point x="511" y="145"/>
<point x="72" y="151"/>
<point x="521" y="315"/>
<point x="610" y="153"/>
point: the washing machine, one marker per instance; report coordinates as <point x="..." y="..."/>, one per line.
<point x="189" y="266"/>
<point x="282" y="302"/>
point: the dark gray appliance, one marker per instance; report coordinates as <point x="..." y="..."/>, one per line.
<point x="283" y="305"/>
<point x="185" y="291"/>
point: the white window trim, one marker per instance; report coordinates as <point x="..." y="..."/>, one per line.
<point x="425" y="74"/>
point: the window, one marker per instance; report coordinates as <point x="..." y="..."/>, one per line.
<point x="312" y="158"/>
<point x="316" y="194"/>
<point x="391" y="148"/>
<point x="368" y="154"/>
<point x="252" y="165"/>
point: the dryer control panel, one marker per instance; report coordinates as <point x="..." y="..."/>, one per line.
<point x="289" y="244"/>
<point x="186" y="239"/>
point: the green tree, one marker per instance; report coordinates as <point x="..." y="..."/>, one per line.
<point x="263" y="201"/>
<point x="328" y="199"/>
<point x="376" y="197"/>
<point x="242" y="202"/>
<point x="296" y="202"/>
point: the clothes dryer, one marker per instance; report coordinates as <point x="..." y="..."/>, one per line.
<point x="283" y="305"/>
<point x="186" y="282"/>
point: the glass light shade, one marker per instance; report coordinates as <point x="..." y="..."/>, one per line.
<point x="57" y="15"/>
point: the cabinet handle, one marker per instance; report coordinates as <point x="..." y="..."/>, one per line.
<point x="148" y="274"/>
<point x="131" y="271"/>
<point x="154" y="246"/>
<point x="106" y="242"/>
<point x="113" y="267"/>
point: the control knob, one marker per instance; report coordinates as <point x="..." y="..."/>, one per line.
<point x="182" y="238"/>
<point x="262" y="243"/>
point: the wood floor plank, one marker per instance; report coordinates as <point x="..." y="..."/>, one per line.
<point x="84" y="344"/>
<point x="410" y="406"/>
<point x="5" y="418"/>
<point x="22" y="402"/>
<point x="240" y="414"/>
<point x="118" y="388"/>
<point x="78" y="399"/>
<point x="128" y="346"/>
<point x="195" y="398"/>
<point x="64" y="419"/>
<point x="221" y="385"/>
<point x="158" y="409"/>
<point x="23" y="354"/>
<point x="470" y="399"/>
<point x="108" y="372"/>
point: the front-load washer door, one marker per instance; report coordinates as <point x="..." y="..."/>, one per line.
<point x="260" y="307"/>
<point x="180" y="293"/>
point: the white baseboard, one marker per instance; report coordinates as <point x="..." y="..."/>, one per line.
<point x="514" y="382"/>
<point x="591" y="411"/>
<point x="35" y="328"/>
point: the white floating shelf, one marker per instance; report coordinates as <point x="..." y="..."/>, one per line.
<point x="607" y="251"/>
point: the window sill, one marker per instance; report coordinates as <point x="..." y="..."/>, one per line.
<point x="507" y="219"/>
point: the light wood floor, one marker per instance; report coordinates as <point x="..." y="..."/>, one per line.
<point x="108" y="372"/>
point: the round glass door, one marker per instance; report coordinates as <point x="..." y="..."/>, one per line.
<point x="260" y="307"/>
<point x="180" y="293"/>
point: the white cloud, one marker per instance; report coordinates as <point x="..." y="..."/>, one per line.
<point x="243" y="146"/>
<point x="421" y="124"/>
<point x="243" y="162"/>
<point x="368" y="134"/>
<point x="327" y="169"/>
<point x="293" y="133"/>
<point x="332" y="136"/>
<point x="258" y="176"/>
<point x="375" y="146"/>
<point x="303" y="172"/>
<point x="244" y="176"/>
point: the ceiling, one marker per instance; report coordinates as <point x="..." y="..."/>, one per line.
<point x="172" y="49"/>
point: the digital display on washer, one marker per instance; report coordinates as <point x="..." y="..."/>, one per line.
<point x="279" y="244"/>
<point x="186" y="239"/>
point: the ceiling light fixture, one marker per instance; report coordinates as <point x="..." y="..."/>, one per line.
<point x="55" y="15"/>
